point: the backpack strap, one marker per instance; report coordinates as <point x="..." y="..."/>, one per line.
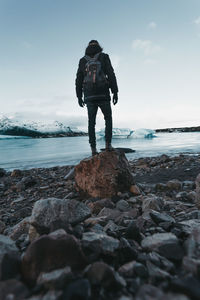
<point x="88" y="58"/>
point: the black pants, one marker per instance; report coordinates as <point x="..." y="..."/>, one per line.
<point x="92" y="108"/>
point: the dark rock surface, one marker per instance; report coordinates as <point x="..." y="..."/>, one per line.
<point x="143" y="245"/>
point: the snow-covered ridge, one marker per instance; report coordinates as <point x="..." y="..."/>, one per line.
<point x="9" y="126"/>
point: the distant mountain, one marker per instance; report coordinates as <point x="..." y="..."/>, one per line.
<point x="9" y="126"/>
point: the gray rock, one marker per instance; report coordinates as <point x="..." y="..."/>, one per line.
<point x="132" y="269"/>
<point x="78" y="289"/>
<point x="56" y="279"/>
<point x="13" y="289"/>
<point x="152" y="202"/>
<point x="161" y="187"/>
<point x="122" y="205"/>
<point x="156" y="273"/>
<point x="192" y="244"/>
<point x="171" y="296"/>
<point x="51" y="252"/>
<point x="188" y="225"/>
<point x="21" y="228"/>
<point x="197" y="182"/>
<point x="149" y="292"/>
<point x="191" y="265"/>
<point x="100" y="241"/>
<point x="174" y="185"/>
<point x="156" y="240"/>
<point x="2" y="186"/>
<point x="161" y="261"/>
<point x="102" y="274"/>
<point x="9" y="258"/>
<point x="52" y="212"/>
<point x="188" y="185"/>
<point x="2" y="172"/>
<point x="50" y="295"/>
<point x="2" y="226"/>
<point x="111" y="226"/>
<point x="183" y="196"/>
<point x="165" y="243"/>
<point x="160" y="217"/>
<point x="188" y="285"/>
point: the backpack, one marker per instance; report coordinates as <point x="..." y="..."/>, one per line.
<point x="95" y="83"/>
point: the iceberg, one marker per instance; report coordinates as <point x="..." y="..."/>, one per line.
<point x="142" y="133"/>
<point x="118" y="133"/>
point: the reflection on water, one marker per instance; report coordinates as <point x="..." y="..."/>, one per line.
<point x="30" y="153"/>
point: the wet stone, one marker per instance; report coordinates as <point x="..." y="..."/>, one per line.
<point x="152" y="202"/>
<point x="13" y="289"/>
<point x="100" y="242"/>
<point x="132" y="269"/>
<point x="161" y="217"/>
<point x="2" y="172"/>
<point x="2" y="227"/>
<point x="122" y="205"/>
<point x="53" y="213"/>
<point x="56" y="279"/>
<point x="174" y="185"/>
<point x="99" y="273"/>
<point x="9" y="258"/>
<point x="78" y="289"/>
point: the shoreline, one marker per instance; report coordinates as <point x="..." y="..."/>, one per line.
<point x="41" y="182"/>
<point x="179" y="129"/>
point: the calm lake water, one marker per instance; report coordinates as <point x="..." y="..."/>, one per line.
<point x="26" y="153"/>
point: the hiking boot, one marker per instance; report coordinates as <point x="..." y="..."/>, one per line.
<point x="94" y="150"/>
<point x="109" y="147"/>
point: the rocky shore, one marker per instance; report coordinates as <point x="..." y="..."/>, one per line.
<point x="179" y="129"/>
<point x="143" y="243"/>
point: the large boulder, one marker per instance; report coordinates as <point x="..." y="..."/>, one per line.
<point x="51" y="252"/>
<point x="104" y="175"/>
<point x="52" y="213"/>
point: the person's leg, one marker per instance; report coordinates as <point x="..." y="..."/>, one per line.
<point x="107" y="112"/>
<point x="92" y="112"/>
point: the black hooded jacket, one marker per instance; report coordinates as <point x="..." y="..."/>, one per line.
<point x="91" y="50"/>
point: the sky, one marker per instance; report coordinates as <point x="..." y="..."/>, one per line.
<point x="154" y="46"/>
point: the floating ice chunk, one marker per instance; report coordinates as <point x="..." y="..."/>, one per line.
<point x="143" y="133"/>
<point x="116" y="133"/>
<point x="128" y="133"/>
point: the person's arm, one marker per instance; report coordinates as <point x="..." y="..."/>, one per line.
<point x="79" y="84"/>
<point x="111" y="75"/>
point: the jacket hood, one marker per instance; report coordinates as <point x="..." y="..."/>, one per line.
<point x="91" y="50"/>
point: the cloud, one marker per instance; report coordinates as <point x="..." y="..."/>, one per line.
<point x="197" y="21"/>
<point x="146" y="46"/>
<point x="152" y="25"/>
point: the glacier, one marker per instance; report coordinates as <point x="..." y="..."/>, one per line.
<point x="14" y="127"/>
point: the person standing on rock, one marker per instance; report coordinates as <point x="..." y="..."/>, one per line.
<point x="94" y="79"/>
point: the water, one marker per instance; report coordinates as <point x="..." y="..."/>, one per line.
<point x="26" y="153"/>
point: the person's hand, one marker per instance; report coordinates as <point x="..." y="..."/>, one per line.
<point x="80" y="102"/>
<point x="115" y="99"/>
